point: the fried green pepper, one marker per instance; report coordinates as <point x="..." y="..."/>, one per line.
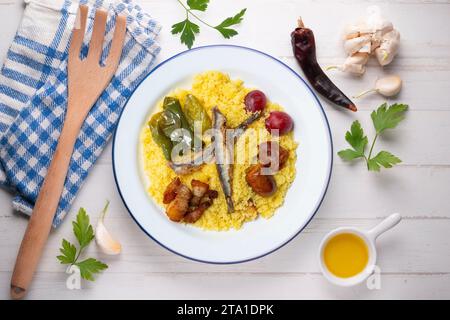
<point x="169" y="122"/>
<point x="159" y="137"/>
<point x="173" y="104"/>
<point x="194" y="111"/>
<point x="185" y="136"/>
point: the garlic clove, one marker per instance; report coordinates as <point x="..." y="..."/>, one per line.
<point x="389" y="47"/>
<point x="377" y="38"/>
<point x="105" y="241"/>
<point x="354" y="64"/>
<point x="352" y="31"/>
<point x="383" y="57"/>
<point x="386" y="27"/>
<point x="389" y="86"/>
<point x="358" y="58"/>
<point x="350" y="36"/>
<point x="356" y="69"/>
<point x="354" y="45"/>
<point x="367" y="48"/>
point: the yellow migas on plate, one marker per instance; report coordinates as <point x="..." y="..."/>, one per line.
<point x="313" y="163"/>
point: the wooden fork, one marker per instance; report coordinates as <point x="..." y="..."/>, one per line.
<point x="86" y="81"/>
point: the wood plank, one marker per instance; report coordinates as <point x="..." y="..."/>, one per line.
<point x="425" y="83"/>
<point x="273" y="37"/>
<point x="418" y="140"/>
<point x="232" y="286"/>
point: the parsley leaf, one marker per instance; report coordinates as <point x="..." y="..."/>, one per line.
<point x="223" y="27"/>
<point x="388" y="117"/>
<point x="178" y="27"/>
<point x="199" y="5"/>
<point x="356" y="138"/>
<point x="68" y="251"/>
<point x="383" y="158"/>
<point x="188" y="29"/>
<point x="69" y="254"/>
<point x="83" y="229"/>
<point x="383" y="118"/>
<point x="349" y="154"/>
<point x="89" y="267"/>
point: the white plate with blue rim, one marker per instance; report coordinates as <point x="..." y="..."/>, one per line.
<point x="314" y="155"/>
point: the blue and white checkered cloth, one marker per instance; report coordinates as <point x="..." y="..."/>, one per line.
<point x="33" y="94"/>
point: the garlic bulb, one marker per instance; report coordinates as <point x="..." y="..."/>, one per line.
<point x="372" y="34"/>
<point x="388" y="86"/>
<point x="105" y="241"/>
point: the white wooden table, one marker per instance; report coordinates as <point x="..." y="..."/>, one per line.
<point x="414" y="258"/>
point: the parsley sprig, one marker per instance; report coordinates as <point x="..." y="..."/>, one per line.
<point x="70" y="255"/>
<point x="189" y="29"/>
<point x="383" y="118"/>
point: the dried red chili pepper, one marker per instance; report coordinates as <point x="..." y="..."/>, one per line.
<point x="304" y="47"/>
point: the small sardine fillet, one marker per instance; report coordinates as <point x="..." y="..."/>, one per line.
<point x="223" y="157"/>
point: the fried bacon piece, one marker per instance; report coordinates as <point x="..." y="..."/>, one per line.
<point x="212" y="194"/>
<point x="198" y="190"/>
<point x="205" y="202"/>
<point x="171" y="191"/>
<point x="177" y="209"/>
<point x="194" y="215"/>
<point x="187" y="205"/>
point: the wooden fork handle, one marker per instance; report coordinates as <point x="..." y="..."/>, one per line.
<point x="44" y="210"/>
